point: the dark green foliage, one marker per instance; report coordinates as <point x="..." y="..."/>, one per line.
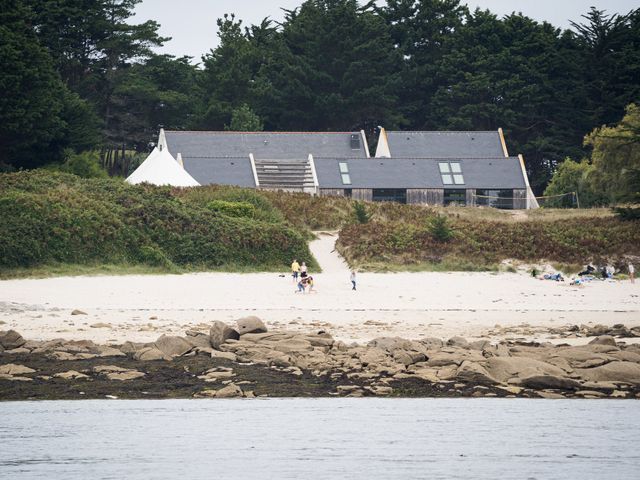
<point x="440" y="229"/>
<point x="48" y="217"/>
<point x="627" y="213"/>
<point x="360" y="212"/>
<point x="85" y="165"/>
<point x="232" y="209"/>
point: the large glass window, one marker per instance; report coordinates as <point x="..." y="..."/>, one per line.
<point x="455" y="196"/>
<point x="344" y="173"/>
<point x="495" y="198"/>
<point x="346" y="179"/>
<point x="390" y="195"/>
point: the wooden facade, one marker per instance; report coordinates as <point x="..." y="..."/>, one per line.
<point x="425" y="196"/>
<point x="471" y="197"/>
<point x="335" y="192"/>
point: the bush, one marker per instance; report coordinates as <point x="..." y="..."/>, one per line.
<point x="440" y="229"/>
<point x="232" y="209"/>
<point x="627" y="213"/>
<point x="360" y="213"/>
<point x="85" y="165"/>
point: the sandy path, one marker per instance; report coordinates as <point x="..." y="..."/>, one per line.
<point x="411" y="305"/>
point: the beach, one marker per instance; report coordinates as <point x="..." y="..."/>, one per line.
<point x="114" y="309"/>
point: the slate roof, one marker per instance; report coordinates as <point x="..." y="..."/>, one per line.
<point x="445" y="144"/>
<point x="275" y="145"/>
<point x="223" y="171"/>
<point x="483" y="173"/>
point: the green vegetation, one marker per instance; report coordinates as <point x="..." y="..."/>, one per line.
<point x="612" y="173"/>
<point x="55" y="219"/>
<point x="482" y="244"/>
<point x="360" y="213"/>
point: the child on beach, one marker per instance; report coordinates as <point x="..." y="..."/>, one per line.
<point x="310" y="284"/>
<point x="353" y="279"/>
<point x="301" y="285"/>
<point x="632" y="272"/>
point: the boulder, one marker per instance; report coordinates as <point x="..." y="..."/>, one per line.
<point x="13" y="369"/>
<point x="541" y="382"/>
<point x="172" y="346"/>
<point x="408" y="357"/>
<point x="250" y="324"/>
<point x="106" y="351"/>
<point x="432" y="343"/>
<point x="474" y="373"/>
<point x="147" y="354"/>
<point x="230" y="391"/>
<point x="78" y="312"/>
<point x="504" y="368"/>
<point x="604" y="340"/>
<point x="225" y="355"/>
<point x="459" y="342"/>
<point x="220" y="332"/>
<point x="198" y="339"/>
<point x="123" y="376"/>
<point x="294" y="345"/>
<point x="626" y="372"/>
<point x="132" y="347"/>
<point x="11" y="339"/>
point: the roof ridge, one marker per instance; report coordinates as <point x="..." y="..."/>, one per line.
<point x="442" y="131"/>
<point x="259" y="133"/>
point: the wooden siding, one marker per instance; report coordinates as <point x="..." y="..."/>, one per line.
<point x="339" y="192"/>
<point x="418" y="195"/>
<point x="519" y="199"/>
<point x="365" y="194"/>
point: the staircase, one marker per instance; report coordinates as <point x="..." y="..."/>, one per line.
<point x="287" y="175"/>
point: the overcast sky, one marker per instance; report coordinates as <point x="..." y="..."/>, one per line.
<point x="192" y="23"/>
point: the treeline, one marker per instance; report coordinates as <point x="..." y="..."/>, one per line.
<point x="77" y="75"/>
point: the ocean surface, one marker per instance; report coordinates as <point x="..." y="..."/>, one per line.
<point x="321" y="439"/>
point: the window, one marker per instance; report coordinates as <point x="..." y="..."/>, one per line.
<point x="344" y="173"/>
<point x="495" y="198"/>
<point x="451" y="173"/>
<point x="455" y="197"/>
<point x="348" y="192"/>
<point x="389" y="195"/>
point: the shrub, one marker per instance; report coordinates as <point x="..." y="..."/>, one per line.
<point x="360" y="213"/>
<point x="627" y="213"/>
<point x="232" y="209"/>
<point x="440" y="229"/>
<point x="85" y="165"/>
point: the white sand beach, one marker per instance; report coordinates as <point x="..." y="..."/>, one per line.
<point x="410" y="305"/>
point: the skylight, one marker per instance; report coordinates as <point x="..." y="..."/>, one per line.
<point x="451" y="173"/>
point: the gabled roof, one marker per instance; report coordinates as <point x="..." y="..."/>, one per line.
<point x="160" y="168"/>
<point x="279" y="145"/>
<point x="222" y="171"/>
<point x="483" y="173"/>
<point x="444" y="144"/>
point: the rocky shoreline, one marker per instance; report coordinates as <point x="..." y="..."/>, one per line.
<point x="248" y="361"/>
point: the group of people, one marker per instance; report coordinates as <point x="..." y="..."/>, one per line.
<point x="301" y="277"/>
<point x="304" y="281"/>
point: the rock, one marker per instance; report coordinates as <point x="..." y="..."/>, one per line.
<point x="589" y="394"/>
<point x="294" y="345"/>
<point x="626" y="372"/>
<point x="17" y="351"/>
<point x="220" y="332"/>
<point x="106" y="351"/>
<point x="12" y="378"/>
<point x="432" y="343"/>
<point x="14" y="369"/>
<point x="250" y="324"/>
<point x="603" y="340"/>
<point x="109" y="369"/>
<point x="408" y="357"/>
<point x="226" y="355"/>
<point x="440" y="359"/>
<point x="458" y="342"/>
<point x="11" y="339"/>
<point x="71" y="375"/>
<point x="230" y="391"/>
<point x="505" y="368"/>
<point x="551" y="395"/>
<point x="172" y="346"/>
<point x="123" y="376"/>
<point x="541" y="382"/>
<point x="474" y="373"/>
<point x="100" y="325"/>
<point x="479" y="344"/>
<point x="147" y="354"/>
<point x="198" y="339"/>
<point x="78" y="312"/>
<point x="132" y="347"/>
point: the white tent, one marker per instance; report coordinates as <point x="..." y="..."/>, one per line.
<point x="160" y="168"/>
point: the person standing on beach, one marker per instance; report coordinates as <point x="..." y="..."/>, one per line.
<point x="295" y="270"/>
<point x="353" y="279"/>
<point x="303" y="270"/>
<point x="632" y="273"/>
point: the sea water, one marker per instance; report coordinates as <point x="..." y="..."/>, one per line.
<point x="321" y="439"/>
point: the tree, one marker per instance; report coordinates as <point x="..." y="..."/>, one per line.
<point x="571" y="177"/>
<point x="244" y="120"/>
<point x="616" y="158"/>
<point x="31" y="102"/>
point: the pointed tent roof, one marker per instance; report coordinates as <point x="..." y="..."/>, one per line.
<point x="160" y="168"/>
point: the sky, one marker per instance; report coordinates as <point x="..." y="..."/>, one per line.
<point x="192" y="23"/>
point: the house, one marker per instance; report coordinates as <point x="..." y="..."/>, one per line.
<point x="434" y="168"/>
